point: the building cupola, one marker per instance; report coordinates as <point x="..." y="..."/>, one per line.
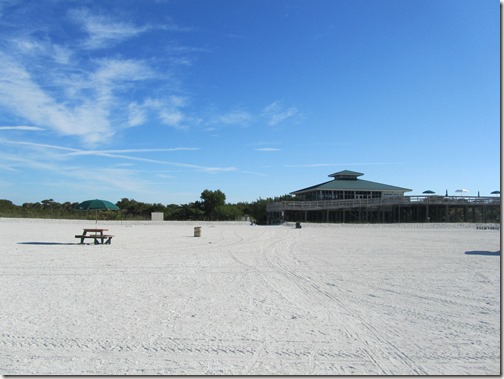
<point x="346" y="175"/>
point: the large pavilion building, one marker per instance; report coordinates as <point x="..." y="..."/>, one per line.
<point x="347" y="198"/>
<point x="347" y="185"/>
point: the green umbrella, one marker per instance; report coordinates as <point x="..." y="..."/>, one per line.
<point x="495" y="193"/>
<point x="97" y="205"/>
<point x="429" y="192"/>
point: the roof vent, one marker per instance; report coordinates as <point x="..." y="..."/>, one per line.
<point x="346" y="175"/>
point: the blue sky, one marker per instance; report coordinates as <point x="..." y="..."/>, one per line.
<point x="159" y="100"/>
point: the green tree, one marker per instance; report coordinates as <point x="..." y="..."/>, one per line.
<point x="258" y="210"/>
<point x="227" y="212"/>
<point x="7" y="208"/>
<point x="211" y="200"/>
<point x="134" y="209"/>
<point x="171" y="211"/>
<point x="191" y="211"/>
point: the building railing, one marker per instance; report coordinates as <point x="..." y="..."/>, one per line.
<point x="376" y="202"/>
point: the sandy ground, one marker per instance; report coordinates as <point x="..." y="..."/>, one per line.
<point x="325" y="299"/>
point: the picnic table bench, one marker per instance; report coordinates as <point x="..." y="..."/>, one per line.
<point x="97" y="235"/>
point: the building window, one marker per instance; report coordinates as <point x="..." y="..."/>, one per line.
<point x="327" y="195"/>
<point x="339" y="195"/>
<point x="362" y="194"/>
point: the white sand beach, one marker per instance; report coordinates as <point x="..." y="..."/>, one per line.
<point x="402" y="299"/>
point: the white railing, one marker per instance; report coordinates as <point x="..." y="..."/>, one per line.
<point x="391" y="200"/>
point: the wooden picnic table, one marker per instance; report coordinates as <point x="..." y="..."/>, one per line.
<point x="96" y="234"/>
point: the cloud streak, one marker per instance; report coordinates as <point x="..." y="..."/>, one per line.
<point x="340" y="164"/>
<point x="267" y="149"/>
<point x="22" y="127"/>
<point x="120" y="154"/>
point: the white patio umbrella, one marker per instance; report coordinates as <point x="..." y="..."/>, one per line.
<point x="462" y="190"/>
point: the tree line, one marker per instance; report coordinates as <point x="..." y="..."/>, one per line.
<point x="211" y="206"/>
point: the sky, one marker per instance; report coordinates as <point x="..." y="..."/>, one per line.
<point x="159" y="100"/>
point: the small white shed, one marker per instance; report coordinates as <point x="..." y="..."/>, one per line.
<point x="157" y="216"/>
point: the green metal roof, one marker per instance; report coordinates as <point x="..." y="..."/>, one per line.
<point x="351" y="185"/>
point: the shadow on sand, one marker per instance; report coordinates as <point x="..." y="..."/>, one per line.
<point x="48" y="243"/>
<point x="494" y="253"/>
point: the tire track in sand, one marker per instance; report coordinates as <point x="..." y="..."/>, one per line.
<point x="276" y="256"/>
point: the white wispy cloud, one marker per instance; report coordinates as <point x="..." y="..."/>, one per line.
<point x="13" y="162"/>
<point x="77" y="105"/>
<point x="104" y="30"/>
<point x="124" y="180"/>
<point x="276" y="113"/>
<point x="170" y="110"/>
<point x="112" y="71"/>
<point x="103" y="178"/>
<point x="130" y="151"/>
<point x="168" y="163"/>
<point x="340" y="164"/>
<point x="234" y="117"/>
<point x="37" y="145"/>
<point x="215" y="170"/>
<point x="29" y="46"/>
<point x="267" y="149"/>
<point x="137" y="115"/>
<point x="22" y="127"/>
<point x="120" y="154"/>
<point x="71" y="89"/>
<point x="21" y="95"/>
